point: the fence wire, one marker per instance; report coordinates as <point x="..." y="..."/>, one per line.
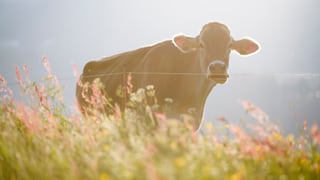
<point x="73" y="78"/>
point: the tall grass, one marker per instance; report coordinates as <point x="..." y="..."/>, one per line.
<point x="39" y="140"/>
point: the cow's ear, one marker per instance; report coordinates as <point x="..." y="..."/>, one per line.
<point x="185" y="43"/>
<point x="245" y="46"/>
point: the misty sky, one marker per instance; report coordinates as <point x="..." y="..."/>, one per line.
<point x="74" y="32"/>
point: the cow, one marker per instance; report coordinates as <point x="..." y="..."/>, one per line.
<point x="184" y="69"/>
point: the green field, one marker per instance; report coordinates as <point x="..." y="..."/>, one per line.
<point x="39" y="140"/>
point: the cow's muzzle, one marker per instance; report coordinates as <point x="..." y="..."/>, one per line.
<point x="217" y="71"/>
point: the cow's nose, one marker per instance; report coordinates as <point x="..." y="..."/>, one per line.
<point x="217" y="67"/>
<point x="217" y="71"/>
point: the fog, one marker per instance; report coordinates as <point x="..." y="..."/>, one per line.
<point x="283" y="78"/>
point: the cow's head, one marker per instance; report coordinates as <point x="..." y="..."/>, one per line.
<point x="214" y="45"/>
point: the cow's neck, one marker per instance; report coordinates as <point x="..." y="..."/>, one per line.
<point x="201" y="63"/>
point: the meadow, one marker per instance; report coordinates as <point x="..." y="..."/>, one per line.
<point x="40" y="140"/>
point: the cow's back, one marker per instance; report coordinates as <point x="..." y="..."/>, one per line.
<point x="112" y="72"/>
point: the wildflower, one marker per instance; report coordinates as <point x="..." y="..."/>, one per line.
<point x="238" y="133"/>
<point x="46" y="65"/>
<point x="315" y="134"/>
<point x="96" y="98"/>
<point x="129" y="83"/>
<point x="248" y="106"/>
<point x="255" y="112"/>
<point x="19" y="77"/>
<point x="75" y="70"/>
<point x="120" y="91"/>
<point x="208" y="170"/>
<point x="57" y="84"/>
<point x="225" y="166"/>
<point x="180" y="162"/>
<point x="26" y="69"/>
<point x="209" y="127"/>
<point x="260" y="130"/>
<point x="189" y="126"/>
<point x="168" y="100"/>
<point x="104" y="176"/>
<point x="106" y="148"/>
<point x="117" y="112"/>
<point x="84" y="92"/>
<point x="151" y="171"/>
<point x="128" y="175"/>
<point x="238" y="175"/>
<point x="222" y="119"/>
<point x="302" y="142"/>
<point x="151" y="148"/>
<point x="258" y="148"/>
<point x="161" y="117"/>
<point x="192" y="110"/>
<point x="290" y="138"/>
<point x="3" y="81"/>
<point x="173" y="145"/>
<point x="139" y="96"/>
<point x="39" y="94"/>
<point x="151" y="91"/>
<point x="150" y="87"/>
<point x="305" y="125"/>
<point x="29" y="117"/>
<point x="276" y="136"/>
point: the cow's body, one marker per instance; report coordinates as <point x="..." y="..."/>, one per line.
<point x="178" y="69"/>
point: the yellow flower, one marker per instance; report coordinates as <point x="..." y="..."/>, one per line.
<point x="180" y="162"/>
<point x="209" y="126"/>
<point x="106" y="147"/>
<point x="128" y="174"/>
<point x="206" y="170"/>
<point x="303" y="161"/>
<point x="104" y="176"/>
<point x="276" y="136"/>
<point x="237" y="176"/>
<point x="173" y="145"/>
<point x="189" y="126"/>
<point x="258" y="148"/>
<point x="104" y="133"/>
<point x="290" y="137"/>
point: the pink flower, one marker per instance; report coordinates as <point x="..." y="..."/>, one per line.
<point x="129" y="83"/>
<point x="26" y="69"/>
<point x="38" y="93"/>
<point x="19" y="76"/>
<point x="305" y="125"/>
<point x="315" y="134"/>
<point x="117" y="112"/>
<point x="239" y="133"/>
<point x="96" y="97"/>
<point x="222" y="119"/>
<point x="30" y="118"/>
<point x="3" y="81"/>
<point x="248" y="106"/>
<point x="46" y="65"/>
<point x="161" y="117"/>
<point x="75" y="70"/>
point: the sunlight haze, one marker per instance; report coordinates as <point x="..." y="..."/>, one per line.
<point x="75" y="32"/>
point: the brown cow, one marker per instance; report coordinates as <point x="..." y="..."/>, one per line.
<point x="184" y="69"/>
